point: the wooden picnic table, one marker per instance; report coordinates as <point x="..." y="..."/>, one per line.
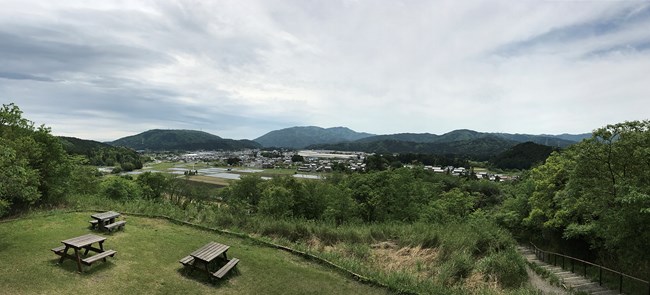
<point x="208" y="253"/>
<point x="105" y="218"/>
<point x="83" y="242"/>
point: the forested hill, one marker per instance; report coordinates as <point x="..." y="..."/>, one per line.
<point x="301" y="137"/>
<point x="479" y="148"/>
<point x="465" y="134"/>
<point x="523" y="156"/>
<point x="101" y="154"/>
<point x="187" y="140"/>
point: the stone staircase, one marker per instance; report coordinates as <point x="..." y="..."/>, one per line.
<point x="570" y="280"/>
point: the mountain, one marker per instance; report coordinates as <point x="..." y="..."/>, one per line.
<point x="187" y="140"/>
<point x="412" y="137"/>
<point x="548" y="140"/>
<point x="480" y="148"/>
<point x="571" y="137"/>
<point x="465" y="134"/>
<point x="522" y="156"/>
<point x="78" y="146"/>
<point x="300" y="137"/>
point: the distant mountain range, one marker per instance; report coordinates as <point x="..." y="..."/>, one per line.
<point x="478" y="145"/>
<point x="186" y="140"/>
<point x="301" y="137"/>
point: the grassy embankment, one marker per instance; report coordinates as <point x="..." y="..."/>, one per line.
<point x="147" y="262"/>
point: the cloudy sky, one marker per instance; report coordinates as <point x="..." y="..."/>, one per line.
<point x="238" y="69"/>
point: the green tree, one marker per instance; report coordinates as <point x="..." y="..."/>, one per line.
<point x="153" y="185"/>
<point x="120" y="188"/>
<point x="276" y="201"/>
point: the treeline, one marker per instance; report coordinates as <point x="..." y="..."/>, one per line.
<point x="100" y="154"/>
<point x="381" y="162"/>
<point x="35" y="170"/>
<point x="593" y="197"/>
<point x="403" y="194"/>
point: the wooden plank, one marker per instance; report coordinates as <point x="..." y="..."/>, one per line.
<point x="224" y="270"/>
<point x="210" y="251"/>
<point x="187" y="260"/>
<point x="105" y="215"/>
<point x="82" y="241"/>
<point x="112" y="226"/>
<point x="57" y="250"/>
<point x="99" y="256"/>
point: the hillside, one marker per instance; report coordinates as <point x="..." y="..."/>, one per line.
<point x="477" y="148"/>
<point x="548" y="140"/>
<point x="158" y="140"/>
<point x="523" y="156"/>
<point x="301" y="137"/>
<point x="465" y="134"/>
<point x="101" y="154"/>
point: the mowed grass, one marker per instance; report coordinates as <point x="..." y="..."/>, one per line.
<point x="146" y="262"/>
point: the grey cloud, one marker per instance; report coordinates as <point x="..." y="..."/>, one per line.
<point x="19" y="76"/>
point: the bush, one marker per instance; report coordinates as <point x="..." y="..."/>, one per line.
<point x="119" y="188"/>
<point x="507" y="267"/>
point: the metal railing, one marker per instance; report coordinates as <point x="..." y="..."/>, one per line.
<point x="546" y="257"/>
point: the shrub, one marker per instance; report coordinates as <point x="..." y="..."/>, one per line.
<point x="119" y="188"/>
<point x="507" y="267"/>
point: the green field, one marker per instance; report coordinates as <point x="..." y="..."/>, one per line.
<point x="146" y="262"/>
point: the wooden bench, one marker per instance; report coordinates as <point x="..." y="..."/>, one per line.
<point x="187" y="260"/>
<point x="58" y="250"/>
<point x="224" y="270"/>
<point x="103" y="255"/>
<point x="93" y="223"/>
<point x="115" y="225"/>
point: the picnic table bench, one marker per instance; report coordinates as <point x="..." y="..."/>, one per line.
<point x="83" y="242"/>
<point x="106" y="221"/>
<point x="202" y="257"/>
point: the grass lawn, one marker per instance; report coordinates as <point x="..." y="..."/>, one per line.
<point x="146" y="262"/>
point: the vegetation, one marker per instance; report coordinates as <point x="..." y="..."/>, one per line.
<point x="476" y="149"/>
<point x="148" y="251"/>
<point x="410" y="229"/>
<point x="169" y="140"/>
<point x="592" y="198"/>
<point x="523" y="156"/>
<point x="34" y="168"/>
<point x="101" y="154"/>
<point x="300" y="137"/>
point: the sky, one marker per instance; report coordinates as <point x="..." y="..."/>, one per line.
<point x="238" y="69"/>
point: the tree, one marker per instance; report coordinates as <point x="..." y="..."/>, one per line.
<point x="153" y="185"/>
<point x="32" y="150"/>
<point x="297" y="158"/>
<point x="120" y="188"/>
<point x="276" y="201"/>
<point x="18" y="182"/>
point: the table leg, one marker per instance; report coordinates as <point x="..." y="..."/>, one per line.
<point x="101" y="247"/>
<point x="224" y="256"/>
<point x="87" y="249"/>
<point x="207" y="271"/>
<point x="76" y="253"/>
<point x="65" y="252"/>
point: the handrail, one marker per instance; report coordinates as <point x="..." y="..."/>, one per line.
<point x="585" y="263"/>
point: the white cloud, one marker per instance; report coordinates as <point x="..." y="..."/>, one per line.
<point x="242" y="68"/>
